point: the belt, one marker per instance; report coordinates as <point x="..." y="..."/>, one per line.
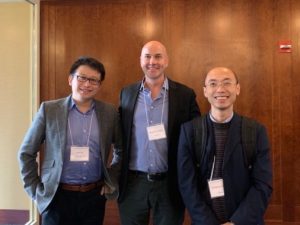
<point x="81" y="187"/>
<point x="150" y="176"/>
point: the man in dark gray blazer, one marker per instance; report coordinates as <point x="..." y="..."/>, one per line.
<point x="77" y="132"/>
<point x="151" y="114"/>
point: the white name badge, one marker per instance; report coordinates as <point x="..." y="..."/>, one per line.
<point x="216" y="188"/>
<point x="156" y="132"/>
<point x="79" y="154"/>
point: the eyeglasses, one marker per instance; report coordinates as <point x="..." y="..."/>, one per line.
<point x="83" y="79"/>
<point x="224" y="84"/>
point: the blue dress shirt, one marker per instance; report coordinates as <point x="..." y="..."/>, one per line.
<point x="82" y="172"/>
<point x="149" y="156"/>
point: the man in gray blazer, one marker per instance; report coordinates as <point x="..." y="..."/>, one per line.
<point x="72" y="182"/>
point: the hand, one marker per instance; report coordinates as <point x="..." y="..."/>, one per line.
<point x="228" y="223"/>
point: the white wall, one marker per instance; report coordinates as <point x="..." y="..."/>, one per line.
<point x="15" y="98"/>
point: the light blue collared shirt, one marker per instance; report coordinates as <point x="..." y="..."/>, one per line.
<point x="225" y="121"/>
<point x="149" y="156"/>
<point x="79" y="123"/>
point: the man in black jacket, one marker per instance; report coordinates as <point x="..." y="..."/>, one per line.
<point x="220" y="187"/>
<point x="152" y="112"/>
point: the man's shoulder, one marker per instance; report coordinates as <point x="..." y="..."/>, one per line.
<point x="197" y="119"/>
<point x="132" y="86"/>
<point x="56" y="102"/>
<point x="104" y="105"/>
<point x="249" y="121"/>
<point x="195" y="123"/>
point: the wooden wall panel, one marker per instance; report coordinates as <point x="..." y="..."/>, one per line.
<point x="282" y="91"/>
<point x="295" y="82"/>
<point x="199" y="34"/>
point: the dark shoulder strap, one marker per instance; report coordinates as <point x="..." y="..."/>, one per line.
<point x="249" y="130"/>
<point x="200" y="134"/>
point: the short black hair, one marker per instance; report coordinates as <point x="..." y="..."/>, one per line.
<point x="91" y="62"/>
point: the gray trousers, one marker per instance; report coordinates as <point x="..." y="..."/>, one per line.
<point x="147" y="201"/>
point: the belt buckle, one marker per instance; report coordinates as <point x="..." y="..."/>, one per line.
<point x="149" y="177"/>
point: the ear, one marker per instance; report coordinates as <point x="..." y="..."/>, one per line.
<point x="166" y="62"/>
<point x="205" y="92"/>
<point x="238" y="89"/>
<point x="70" y="78"/>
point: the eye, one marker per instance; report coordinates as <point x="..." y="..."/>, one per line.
<point x="94" y="81"/>
<point x="227" y="83"/>
<point x="81" y="78"/>
<point x="213" y="84"/>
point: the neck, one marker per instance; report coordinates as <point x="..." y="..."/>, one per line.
<point x="154" y="85"/>
<point x="83" y="106"/>
<point x="221" y="116"/>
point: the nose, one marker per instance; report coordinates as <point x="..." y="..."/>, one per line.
<point x="220" y="87"/>
<point x="87" y="83"/>
<point x="152" y="60"/>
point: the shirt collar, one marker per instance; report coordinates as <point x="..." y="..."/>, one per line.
<point x="165" y="85"/>
<point x="225" y="121"/>
<point x="73" y="105"/>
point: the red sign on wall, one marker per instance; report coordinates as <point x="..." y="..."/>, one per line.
<point x="285" y="46"/>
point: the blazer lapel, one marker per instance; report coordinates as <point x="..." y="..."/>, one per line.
<point x="173" y="106"/>
<point x="102" y="123"/>
<point x="62" y="122"/>
<point x="129" y="100"/>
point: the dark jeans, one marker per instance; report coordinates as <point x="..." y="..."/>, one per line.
<point x="75" y="208"/>
<point x="144" y="199"/>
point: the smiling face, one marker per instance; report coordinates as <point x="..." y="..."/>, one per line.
<point x="221" y="88"/>
<point x="154" y="60"/>
<point x="84" y="91"/>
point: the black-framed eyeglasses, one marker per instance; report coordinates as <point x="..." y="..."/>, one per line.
<point x="83" y="79"/>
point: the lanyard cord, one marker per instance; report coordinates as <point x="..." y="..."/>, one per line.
<point x="88" y="139"/>
<point x="212" y="170"/>
<point x="163" y="106"/>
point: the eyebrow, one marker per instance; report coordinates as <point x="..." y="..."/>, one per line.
<point x="156" y="54"/>
<point x="84" y="75"/>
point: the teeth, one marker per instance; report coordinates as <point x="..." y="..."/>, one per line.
<point x="221" y="97"/>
